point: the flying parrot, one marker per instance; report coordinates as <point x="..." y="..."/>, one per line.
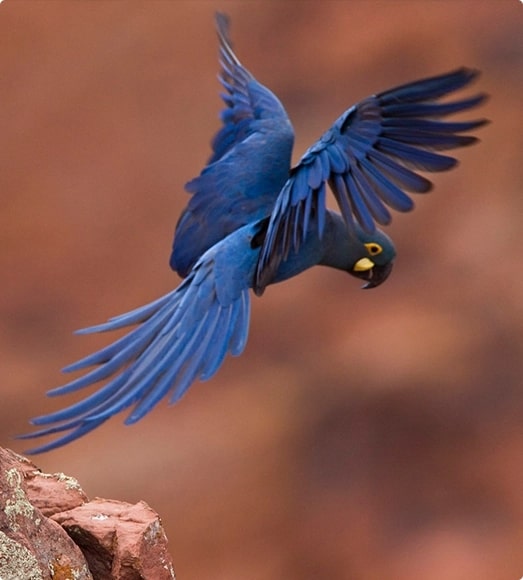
<point x="253" y="220"/>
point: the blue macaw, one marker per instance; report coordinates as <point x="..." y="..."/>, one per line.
<point x="253" y="220"/>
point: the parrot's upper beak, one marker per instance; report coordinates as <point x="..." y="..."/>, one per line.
<point x="375" y="275"/>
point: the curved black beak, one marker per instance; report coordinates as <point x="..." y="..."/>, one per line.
<point x="375" y="275"/>
<point x="378" y="275"/>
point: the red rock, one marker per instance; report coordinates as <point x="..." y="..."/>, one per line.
<point x="32" y="546"/>
<point x="49" y="530"/>
<point x="119" y="540"/>
<point x="53" y="493"/>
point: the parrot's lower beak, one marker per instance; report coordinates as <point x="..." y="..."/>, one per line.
<point x="372" y="273"/>
<point x="377" y="275"/>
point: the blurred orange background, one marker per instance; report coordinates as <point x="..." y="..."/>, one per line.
<point x="362" y="435"/>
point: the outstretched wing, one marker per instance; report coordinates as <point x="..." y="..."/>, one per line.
<point x="248" y="167"/>
<point x="180" y="337"/>
<point x="246" y="99"/>
<point x="369" y="157"/>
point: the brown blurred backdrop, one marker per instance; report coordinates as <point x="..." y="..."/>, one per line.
<point x="362" y="435"/>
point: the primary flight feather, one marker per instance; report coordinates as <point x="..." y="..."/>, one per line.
<point x="253" y="220"/>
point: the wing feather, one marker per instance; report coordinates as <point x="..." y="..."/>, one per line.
<point x="370" y="157"/>
<point x="247" y="169"/>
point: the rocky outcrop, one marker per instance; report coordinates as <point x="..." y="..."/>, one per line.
<point x="49" y="529"/>
<point x="119" y="540"/>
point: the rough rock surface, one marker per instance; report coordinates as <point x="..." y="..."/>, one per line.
<point x="32" y="547"/>
<point x="119" y="540"/>
<point x="50" y="530"/>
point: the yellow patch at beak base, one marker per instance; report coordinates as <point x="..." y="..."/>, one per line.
<point x="363" y="265"/>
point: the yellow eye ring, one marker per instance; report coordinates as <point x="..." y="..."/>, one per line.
<point x="374" y="248"/>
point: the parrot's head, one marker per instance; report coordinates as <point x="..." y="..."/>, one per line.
<point x="375" y="264"/>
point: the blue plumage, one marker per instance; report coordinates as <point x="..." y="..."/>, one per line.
<point x="253" y="220"/>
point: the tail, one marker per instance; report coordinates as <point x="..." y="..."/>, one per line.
<point x="180" y="337"/>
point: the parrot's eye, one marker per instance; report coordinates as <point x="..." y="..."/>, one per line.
<point x="374" y="248"/>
